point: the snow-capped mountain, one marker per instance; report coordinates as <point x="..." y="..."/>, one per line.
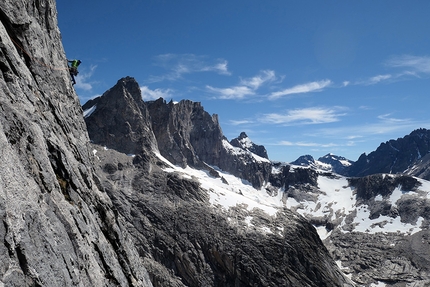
<point x="193" y="196"/>
<point x="329" y="162"/>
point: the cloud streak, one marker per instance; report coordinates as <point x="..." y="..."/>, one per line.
<point x="417" y="64"/>
<point x="307" y="144"/>
<point x="246" y="87"/>
<point x="178" y="65"/>
<point x="384" y="124"/>
<point x="149" y="95"/>
<point x="303" y="88"/>
<point x="82" y="80"/>
<point x="313" y="115"/>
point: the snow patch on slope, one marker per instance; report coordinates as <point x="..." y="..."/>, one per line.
<point x="236" y="192"/>
<point x="241" y="152"/>
<point x="89" y="111"/>
<point x="335" y="202"/>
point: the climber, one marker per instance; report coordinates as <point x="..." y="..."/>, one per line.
<point x="73" y="69"/>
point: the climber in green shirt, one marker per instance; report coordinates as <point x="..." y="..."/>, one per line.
<point x="73" y="69"/>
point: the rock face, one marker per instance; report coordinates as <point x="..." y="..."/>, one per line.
<point x="184" y="133"/>
<point x="187" y="134"/>
<point x="120" y="120"/>
<point x="57" y="228"/>
<point x="395" y="156"/>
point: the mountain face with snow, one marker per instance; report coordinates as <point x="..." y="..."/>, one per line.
<point x="195" y="209"/>
<point x="245" y="143"/>
<point x="337" y="164"/>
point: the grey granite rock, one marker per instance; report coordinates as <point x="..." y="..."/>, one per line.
<point x="57" y="228"/>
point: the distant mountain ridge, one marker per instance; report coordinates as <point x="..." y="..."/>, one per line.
<point x="396" y="156"/>
<point x="409" y="155"/>
<point x="329" y="162"/>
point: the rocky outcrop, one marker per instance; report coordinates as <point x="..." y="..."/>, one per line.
<point x="304" y="160"/>
<point x="57" y="228"/>
<point x="185" y="132"/>
<point x="380" y="184"/>
<point x="388" y="258"/>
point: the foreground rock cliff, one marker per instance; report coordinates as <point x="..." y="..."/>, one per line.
<point x="57" y="228"/>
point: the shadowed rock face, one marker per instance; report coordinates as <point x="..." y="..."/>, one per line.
<point x="57" y="228"/>
<point x="188" y="135"/>
<point x="120" y="119"/>
<point x="396" y="156"/>
<point x="185" y="132"/>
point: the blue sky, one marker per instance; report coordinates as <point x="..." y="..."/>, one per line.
<point x="299" y="77"/>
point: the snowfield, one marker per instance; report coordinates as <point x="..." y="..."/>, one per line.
<point x="335" y="202"/>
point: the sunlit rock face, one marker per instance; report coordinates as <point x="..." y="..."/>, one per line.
<point x="57" y="228"/>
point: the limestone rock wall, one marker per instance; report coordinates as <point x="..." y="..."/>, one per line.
<point x="57" y="228"/>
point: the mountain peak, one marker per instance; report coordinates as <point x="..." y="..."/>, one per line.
<point x="119" y="119"/>
<point x="244" y="142"/>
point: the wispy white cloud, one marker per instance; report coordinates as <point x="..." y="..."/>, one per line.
<point x="246" y="87"/>
<point x="412" y="66"/>
<point x="387" y="119"/>
<point x="257" y="81"/>
<point x="241" y="122"/>
<point x="237" y="92"/>
<point x="148" y="94"/>
<point x="415" y="64"/>
<point x="303" y="88"/>
<point x="384" y="124"/>
<point x="83" y="79"/>
<point x="178" y="65"/>
<point x="314" y="115"/>
<point x="378" y="79"/>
